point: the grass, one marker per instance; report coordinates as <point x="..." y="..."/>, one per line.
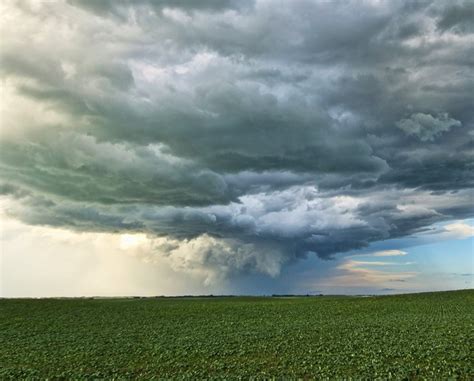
<point x="418" y="336"/>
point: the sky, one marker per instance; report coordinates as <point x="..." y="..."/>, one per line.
<point x="235" y="147"/>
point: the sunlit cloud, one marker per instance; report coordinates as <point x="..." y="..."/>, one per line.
<point x="389" y="253"/>
<point x="458" y="230"/>
<point x="356" y="273"/>
<point x="129" y="241"/>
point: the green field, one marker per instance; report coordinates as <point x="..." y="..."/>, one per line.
<point x="419" y="336"/>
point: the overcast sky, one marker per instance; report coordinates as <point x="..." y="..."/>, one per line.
<point x="189" y="147"/>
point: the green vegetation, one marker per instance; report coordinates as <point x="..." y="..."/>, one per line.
<point x="424" y="336"/>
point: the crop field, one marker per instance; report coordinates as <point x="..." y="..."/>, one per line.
<point x="419" y="336"/>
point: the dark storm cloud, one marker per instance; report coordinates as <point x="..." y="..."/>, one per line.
<point x="457" y="17"/>
<point x="294" y="127"/>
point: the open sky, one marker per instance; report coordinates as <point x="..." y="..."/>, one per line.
<point x="257" y="147"/>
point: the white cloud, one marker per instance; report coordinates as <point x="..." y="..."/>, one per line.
<point x="458" y="230"/>
<point x="214" y="259"/>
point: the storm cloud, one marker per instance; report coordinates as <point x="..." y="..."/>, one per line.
<point x="239" y="136"/>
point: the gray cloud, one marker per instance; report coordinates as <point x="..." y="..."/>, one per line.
<point x="426" y="127"/>
<point x="293" y="128"/>
<point x="457" y="17"/>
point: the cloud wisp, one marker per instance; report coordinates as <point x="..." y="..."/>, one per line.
<point x="389" y="253"/>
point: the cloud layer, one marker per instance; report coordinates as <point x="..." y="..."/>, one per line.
<point x="245" y="135"/>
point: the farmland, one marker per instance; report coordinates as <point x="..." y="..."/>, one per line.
<point x="418" y="336"/>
